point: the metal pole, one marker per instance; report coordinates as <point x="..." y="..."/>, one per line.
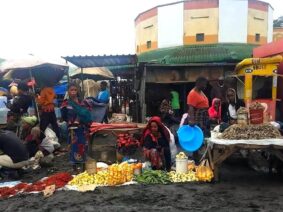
<point x="142" y="95"/>
<point x="35" y="104"/>
<point x="82" y="79"/>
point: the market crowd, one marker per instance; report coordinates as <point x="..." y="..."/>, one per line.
<point x="28" y="140"/>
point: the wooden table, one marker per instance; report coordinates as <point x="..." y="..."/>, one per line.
<point x="218" y="153"/>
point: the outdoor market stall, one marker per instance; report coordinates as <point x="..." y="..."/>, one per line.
<point x="124" y="98"/>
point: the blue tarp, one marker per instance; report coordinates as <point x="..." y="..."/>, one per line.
<point x="61" y="89"/>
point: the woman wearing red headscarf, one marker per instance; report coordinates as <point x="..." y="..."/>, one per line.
<point x="155" y="142"/>
<point x="214" y="111"/>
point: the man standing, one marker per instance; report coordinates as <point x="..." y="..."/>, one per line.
<point x="103" y="97"/>
<point x="48" y="116"/>
<point x="218" y="89"/>
<point x="175" y="102"/>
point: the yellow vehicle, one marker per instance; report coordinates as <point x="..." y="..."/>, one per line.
<point x="260" y="79"/>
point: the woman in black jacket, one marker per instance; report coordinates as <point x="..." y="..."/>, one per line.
<point x="229" y="108"/>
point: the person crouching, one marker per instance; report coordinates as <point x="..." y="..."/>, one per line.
<point x="155" y="142"/>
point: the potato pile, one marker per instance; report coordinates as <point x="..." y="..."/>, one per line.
<point x="182" y="177"/>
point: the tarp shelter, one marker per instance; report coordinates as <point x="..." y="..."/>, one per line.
<point x="61" y="89"/>
<point x="124" y="65"/>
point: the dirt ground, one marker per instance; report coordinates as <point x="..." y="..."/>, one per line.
<point x="240" y="189"/>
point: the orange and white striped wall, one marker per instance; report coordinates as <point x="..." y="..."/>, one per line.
<point x="204" y="22"/>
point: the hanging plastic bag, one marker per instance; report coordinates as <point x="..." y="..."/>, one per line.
<point x="172" y="145"/>
<point x="50" y="137"/>
<point x="204" y="172"/>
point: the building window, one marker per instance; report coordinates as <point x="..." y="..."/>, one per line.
<point x="200" y="37"/>
<point x="148" y="44"/>
<point x="257" y="37"/>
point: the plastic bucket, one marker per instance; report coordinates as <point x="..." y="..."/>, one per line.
<point x="181" y="165"/>
<point x="256" y="116"/>
<point x="3" y="115"/>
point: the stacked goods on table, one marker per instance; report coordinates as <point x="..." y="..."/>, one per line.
<point x="250" y="132"/>
<point x="95" y="127"/>
<point x="256" y="113"/>
<point x="59" y="180"/>
<point x="242" y="115"/>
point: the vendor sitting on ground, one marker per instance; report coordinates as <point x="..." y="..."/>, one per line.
<point x="36" y="146"/>
<point x="155" y="142"/>
<point x="14" y="153"/>
<point x="229" y="109"/>
<point x="214" y="113"/>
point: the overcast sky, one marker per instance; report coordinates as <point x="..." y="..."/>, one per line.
<point x="55" y="28"/>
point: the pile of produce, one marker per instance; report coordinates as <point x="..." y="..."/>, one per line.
<point x="126" y="144"/>
<point x="246" y="132"/>
<point x="120" y="173"/>
<point x="153" y="177"/>
<point x="181" y="155"/>
<point x="182" y="177"/>
<point x="116" y="174"/>
<point x="59" y="180"/>
<point x="101" y="178"/>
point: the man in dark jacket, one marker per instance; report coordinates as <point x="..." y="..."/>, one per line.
<point x="15" y="154"/>
<point x="22" y="102"/>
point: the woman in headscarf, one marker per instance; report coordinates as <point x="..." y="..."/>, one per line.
<point x="214" y="112"/>
<point x="78" y="117"/>
<point x="198" y="105"/>
<point x="155" y="142"/>
<point x="229" y="109"/>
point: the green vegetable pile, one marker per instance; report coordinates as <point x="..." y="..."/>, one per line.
<point x="153" y="177"/>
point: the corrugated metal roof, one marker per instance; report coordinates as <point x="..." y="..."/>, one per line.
<point x="198" y="54"/>
<point x="101" y="61"/>
<point x="269" y="49"/>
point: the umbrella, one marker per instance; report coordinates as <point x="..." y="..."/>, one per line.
<point x="45" y="72"/>
<point x="95" y="73"/>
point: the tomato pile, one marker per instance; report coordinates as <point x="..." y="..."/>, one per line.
<point x="59" y="180"/>
<point x="127" y="144"/>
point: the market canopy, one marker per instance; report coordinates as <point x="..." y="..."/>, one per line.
<point x="102" y="61"/>
<point x="95" y="73"/>
<point x="45" y="71"/>
<point x="209" y="53"/>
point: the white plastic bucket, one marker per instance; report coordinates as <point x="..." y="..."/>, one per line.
<point x="181" y="165"/>
<point x="3" y="115"/>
